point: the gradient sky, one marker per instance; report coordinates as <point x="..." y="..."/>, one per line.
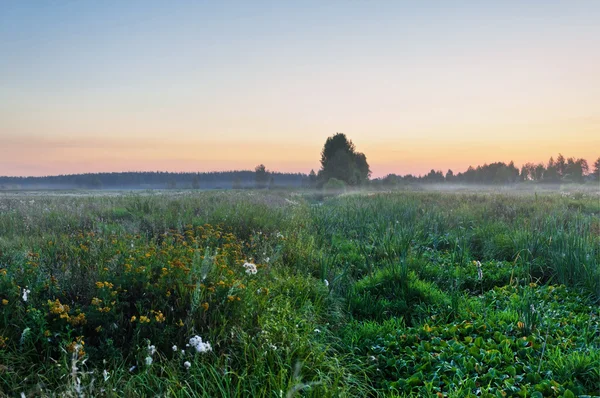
<point x="89" y="86"/>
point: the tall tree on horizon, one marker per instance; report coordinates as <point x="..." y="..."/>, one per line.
<point x="261" y="176"/>
<point x="340" y="160"/>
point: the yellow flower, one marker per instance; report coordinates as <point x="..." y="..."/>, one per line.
<point x="205" y="306"/>
<point x="144" y="319"/>
<point x="4" y="302"/>
<point x="520" y="325"/>
<point x="96" y="301"/>
<point x="180" y="323"/>
<point x="78" y="320"/>
<point x="159" y="316"/>
<point x="231" y="298"/>
<point x="133" y="318"/>
<point x="99" y="285"/>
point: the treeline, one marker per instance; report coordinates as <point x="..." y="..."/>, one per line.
<point x="560" y="170"/>
<point x="156" y="180"/>
<point x="341" y="166"/>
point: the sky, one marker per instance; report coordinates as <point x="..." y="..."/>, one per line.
<point x="94" y="86"/>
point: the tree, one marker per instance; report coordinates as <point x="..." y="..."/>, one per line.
<point x="596" y="172"/>
<point x="340" y="160"/>
<point x="261" y="176"/>
<point x="449" y="175"/>
<point x="312" y="179"/>
<point x="561" y="166"/>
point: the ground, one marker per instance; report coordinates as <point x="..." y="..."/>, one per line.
<point x="279" y="293"/>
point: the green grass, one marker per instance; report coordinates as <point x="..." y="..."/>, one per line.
<point x="354" y="295"/>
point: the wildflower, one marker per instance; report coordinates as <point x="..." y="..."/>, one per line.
<point x="131" y="369"/>
<point x="148" y="361"/>
<point x="205" y="306"/>
<point x="96" y="301"/>
<point x="174" y="348"/>
<point x="199" y="345"/>
<point x="151" y="350"/>
<point x="479" y="271"/>
<point x="133" y="318"/>
<point x="105" y="375"/>
<point x="25" y="294"/>
<point x="326" y="282"/>
<point x="4" y="302"/>
<point x="159" y="316"/>
<point x="144" y="319"/>
<point x="187" y="364"/>
<point x="317" y="331"/>
<point x="250" y="268"/>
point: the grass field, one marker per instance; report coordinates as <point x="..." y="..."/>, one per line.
<point x="281" y="294"/>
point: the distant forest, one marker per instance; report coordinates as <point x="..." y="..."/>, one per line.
<point x="157" y="180"/>
<point x="341" y="165"/>
<point x="561" y="170"/>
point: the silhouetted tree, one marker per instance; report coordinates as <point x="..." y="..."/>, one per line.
<point x="340" y="160"/>
<point x="561" y="166"/>
<point x="449" y="175"/>
<point x="596" y="172"/>
<point x="262" y="176"/>
<point x="312" y="179"/>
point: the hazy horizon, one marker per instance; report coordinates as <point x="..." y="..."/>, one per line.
<point x="198" y="86"/>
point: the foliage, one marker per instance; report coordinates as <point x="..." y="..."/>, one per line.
<point x="388" y="294"/>
<point x="340" y="160"/>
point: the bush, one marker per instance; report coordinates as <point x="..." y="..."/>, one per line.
<point x="334" y="186"/>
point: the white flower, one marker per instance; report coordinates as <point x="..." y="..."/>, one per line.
<point x="479" y="271"/>
<point x="187" y="364"/>
<point x="148" y="361"/>
<point x="199" y="345"/>
<point x="174" y="348"/>
<point x="317" y="331"/>
<point x="151" y="350"/>
<point x="131" y="369"/>
<point x="105" y="375"/>
<point x="250" y="268"/>
<point x="326" y="282"/>
<point x="267" y="259"/>
<point x="25" y="294"/>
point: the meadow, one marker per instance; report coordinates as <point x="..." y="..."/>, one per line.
<point x="285" y="294"/>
